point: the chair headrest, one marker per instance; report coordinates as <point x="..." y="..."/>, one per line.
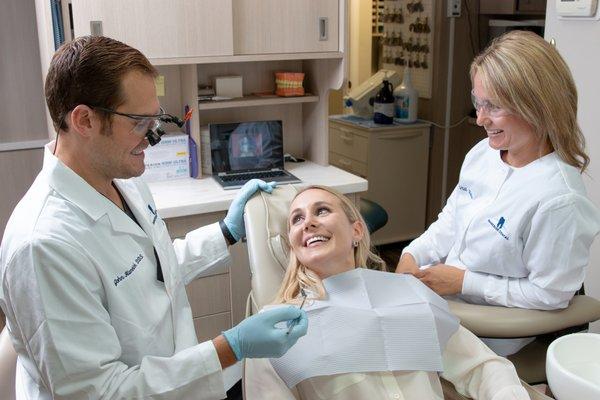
<point x="266" y="233"/>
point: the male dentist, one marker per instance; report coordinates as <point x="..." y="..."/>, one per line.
<point x="92" y="287"/>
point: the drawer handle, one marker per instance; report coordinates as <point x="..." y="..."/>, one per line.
<point x="346" y="138"/>
<point x="344" y="162"/>
<point x="400" y="136"/>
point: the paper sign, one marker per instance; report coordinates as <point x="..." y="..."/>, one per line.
<point x="159" y="81"/>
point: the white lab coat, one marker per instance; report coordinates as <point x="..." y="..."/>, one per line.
<point x="522" y="234"/>
<point x="474" y="370"/>
<point x="86" y="313"/>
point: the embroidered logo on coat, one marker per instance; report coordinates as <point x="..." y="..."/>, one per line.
<point x="132" y="268"/>
<point x="498" y="226"/>
<point x="466" y="190"/>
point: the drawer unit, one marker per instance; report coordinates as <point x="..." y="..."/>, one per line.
<point x="394" y="159"/>
<point x="348" y="142"/>
<point x="210" y="295"/>
<point x="348" y="164"/>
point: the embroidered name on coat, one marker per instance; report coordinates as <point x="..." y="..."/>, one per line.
<point x="132" y="268"/>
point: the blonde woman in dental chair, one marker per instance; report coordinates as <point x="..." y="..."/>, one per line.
<point x="329" y="242"/>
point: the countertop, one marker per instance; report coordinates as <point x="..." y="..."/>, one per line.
<point x="189" y="196"/>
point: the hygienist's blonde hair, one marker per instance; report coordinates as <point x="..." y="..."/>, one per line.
<point x="527" y="76"/>
<point x="298" y="276"/>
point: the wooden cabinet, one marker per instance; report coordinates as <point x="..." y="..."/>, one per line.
<point x="512" y="7"/>
<point x="285" y="26"/>
<point x="160" y="28"/>
<point x="394" y="160"/>
<point x="218" y="297"/>
<point x="180" y="29"/>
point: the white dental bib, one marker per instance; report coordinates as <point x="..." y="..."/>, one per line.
<point x="371" y="321"/>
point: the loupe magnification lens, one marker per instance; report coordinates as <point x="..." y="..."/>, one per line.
<point x="144" y="125"/>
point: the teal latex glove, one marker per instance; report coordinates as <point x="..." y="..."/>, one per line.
<point x="257" y="336"/>
<point x="235" y="216"/>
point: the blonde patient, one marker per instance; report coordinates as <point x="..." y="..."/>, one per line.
<point x="327" y="236"/>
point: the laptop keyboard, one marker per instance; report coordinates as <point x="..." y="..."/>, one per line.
<point x="253" y="175"/>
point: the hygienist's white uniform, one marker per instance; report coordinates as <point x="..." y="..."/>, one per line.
<point x="522" y="234"/>
<point x="87" y="315"/>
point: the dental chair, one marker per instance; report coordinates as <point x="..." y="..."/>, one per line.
<point x="8" y="366"/>
<point x="504" y="322"/>
<point x="266" y="233"/>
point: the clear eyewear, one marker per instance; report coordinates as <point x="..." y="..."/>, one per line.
<point x="150" y="126"/>
<point x="144" y="123"/>
<point x="488" y="108"/>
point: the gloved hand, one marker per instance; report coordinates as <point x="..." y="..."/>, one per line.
<point x="257" y="336"/>
<point x="235" y="216"/>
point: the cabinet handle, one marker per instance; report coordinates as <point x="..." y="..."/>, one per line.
<point x="344" y="162"/>
<point x="96" y="28"/>
<point x="323" y="28"/>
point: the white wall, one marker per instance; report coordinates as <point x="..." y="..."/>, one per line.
<point x="579" y="43"/>
<point x="360" y="41"/>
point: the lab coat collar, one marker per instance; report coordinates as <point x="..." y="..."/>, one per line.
<point x="76" y="190"/>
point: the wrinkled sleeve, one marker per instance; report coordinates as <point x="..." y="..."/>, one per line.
<point x="556" y="253"/>
<point x="435" y="243"/>
<point x="261" y="382"/>
<point x="200" y="251"/>
<point x="66" y="330"/>
<point x="479" y="373"/>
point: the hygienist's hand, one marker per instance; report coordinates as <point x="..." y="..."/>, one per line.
<point x="443" y="279"/>
<point x="258" y="337"/>
<point x="407" y="265"/>
<point x="235" y="216"/>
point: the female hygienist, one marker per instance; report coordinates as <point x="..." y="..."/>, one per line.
<point x="517" y="229"/>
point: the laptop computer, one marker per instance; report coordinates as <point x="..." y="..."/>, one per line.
<point x="247" y="150"/>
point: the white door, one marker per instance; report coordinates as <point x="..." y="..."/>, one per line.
<point x="160" y="28"/>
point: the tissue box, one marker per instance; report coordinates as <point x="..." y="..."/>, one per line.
<point x="228" y="86"/>
<point x="170" y="159"/>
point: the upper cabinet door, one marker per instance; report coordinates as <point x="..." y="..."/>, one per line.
<point x="160" y="28"/>
<point x="285" y="26"/>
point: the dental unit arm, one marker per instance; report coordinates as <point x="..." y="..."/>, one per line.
<point x="360" y="98"/>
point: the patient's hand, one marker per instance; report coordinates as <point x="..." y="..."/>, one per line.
<point x="443" y="279"/>
<point x="407" y="265"/>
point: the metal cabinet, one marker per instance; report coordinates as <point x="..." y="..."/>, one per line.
<point x="395" y="161"/>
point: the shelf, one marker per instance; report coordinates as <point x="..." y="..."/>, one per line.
<point x="246" y="58"/>
<point x="253" y="101"/>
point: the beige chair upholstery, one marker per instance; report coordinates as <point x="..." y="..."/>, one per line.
<point x="503" y="322"/>
<point x="266" y="232"/>
<point x="8" y="366"/>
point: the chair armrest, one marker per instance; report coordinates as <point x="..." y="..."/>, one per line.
<point x="505" y="322"/>
<point x="8" y="366"/>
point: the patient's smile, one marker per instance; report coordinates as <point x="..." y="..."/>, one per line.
<point x="316" y="241"/>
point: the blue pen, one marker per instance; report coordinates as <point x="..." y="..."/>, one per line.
<point x="153" y="213"/>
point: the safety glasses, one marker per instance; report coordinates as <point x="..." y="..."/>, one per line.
<point x="488" y="108"/>
<point x="149" y="126"/>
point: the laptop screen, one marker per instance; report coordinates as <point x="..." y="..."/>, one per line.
<point x="246" y="146"/>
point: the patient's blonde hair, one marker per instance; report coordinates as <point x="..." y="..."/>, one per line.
<point x="298" y="276"/>
<point x="527" y="76"/>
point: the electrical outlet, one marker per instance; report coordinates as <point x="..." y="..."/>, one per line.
<point x="453" y="8"/>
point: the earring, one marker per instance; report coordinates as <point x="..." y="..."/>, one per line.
<point x="355" y="244"/>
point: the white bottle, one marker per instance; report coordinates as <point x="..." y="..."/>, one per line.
<point x="406" y="100"/>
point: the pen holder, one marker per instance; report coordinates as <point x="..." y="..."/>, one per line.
<point x="289" y="83"/>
